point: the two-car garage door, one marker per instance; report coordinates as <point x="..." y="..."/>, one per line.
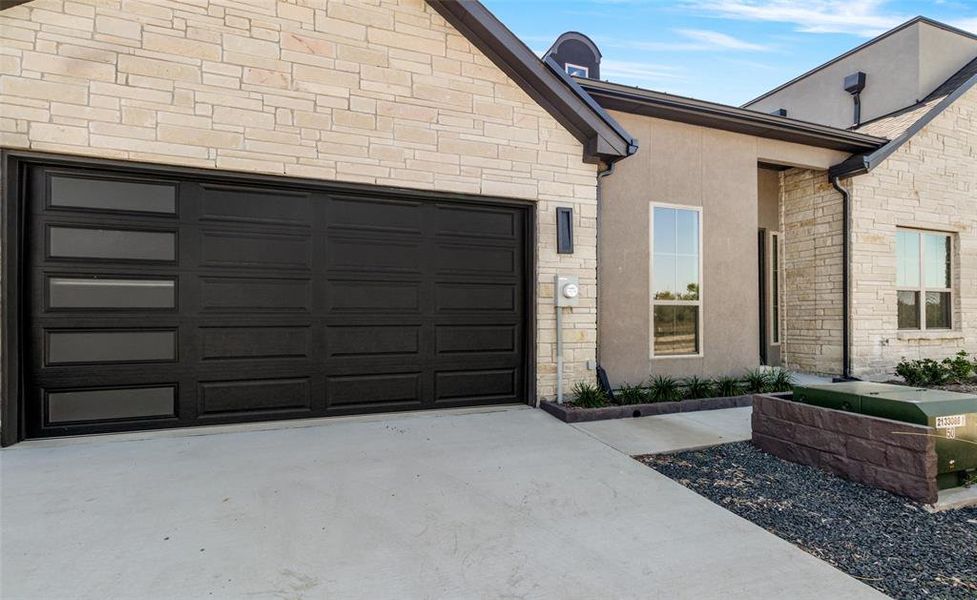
<point x="160" y="301"/>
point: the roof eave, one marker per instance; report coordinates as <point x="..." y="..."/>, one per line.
<point x="863" y="163"/>
<point x="603" y="139"/>
<point x="728" y="118"/>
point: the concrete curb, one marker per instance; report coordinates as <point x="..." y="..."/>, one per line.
<point x="579" y="415"/>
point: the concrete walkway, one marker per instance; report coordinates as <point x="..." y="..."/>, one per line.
<point x="672" y="433"/>
<point x="497" y="504"/>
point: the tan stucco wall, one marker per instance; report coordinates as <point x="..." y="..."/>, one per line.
<point x="901" y="68"/>
<point x="686" y="165"/>
<point x="929" y="183"/>
<point x="381" y="92"/>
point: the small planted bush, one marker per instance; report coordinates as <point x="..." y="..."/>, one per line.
<point x="588" y="395"/>
<point x="663" y="388"/>
<point x="757" y="381"/>
<point x="697" y="387"/>
<point x="923" y="372"/>
<point x="727" y="385"/>
<point x="959" y="367"/>
<point x="632" y="394"/>
<point x="781" y="380"/>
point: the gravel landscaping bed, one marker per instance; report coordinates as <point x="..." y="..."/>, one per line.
<point x="886" y="541"/>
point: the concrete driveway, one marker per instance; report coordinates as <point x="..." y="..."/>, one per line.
<point x="478" y="504"/>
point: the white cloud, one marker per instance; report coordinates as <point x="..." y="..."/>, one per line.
<point x="715" y="39"/>
<point x="698" y="40"/>
<point x="966" y="24"/>
<point x="638" y="72"/>
<point x="864" y="17"/>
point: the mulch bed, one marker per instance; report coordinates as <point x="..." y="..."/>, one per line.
<point x="886" y="541"/>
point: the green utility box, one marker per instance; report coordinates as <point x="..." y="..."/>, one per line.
<point x="953" y="415"/>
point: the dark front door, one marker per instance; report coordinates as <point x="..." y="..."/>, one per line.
<point x="158" y="301"/>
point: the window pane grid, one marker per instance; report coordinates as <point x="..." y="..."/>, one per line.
<point x="676" y="281"/>
<point x="924" y="270"/>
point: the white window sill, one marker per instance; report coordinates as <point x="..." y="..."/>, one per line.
<point x="942" y="334"/>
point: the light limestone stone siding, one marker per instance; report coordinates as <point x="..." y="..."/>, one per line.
<point x="928" y="183"/>
<point x="381" y="92"/>
<point x="811" y="217"/>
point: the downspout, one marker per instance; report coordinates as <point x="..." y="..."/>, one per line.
<point x="600" y="176"/>
<point x="846" y="289"/>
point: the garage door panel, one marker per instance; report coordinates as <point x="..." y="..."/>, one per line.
<point x="357" y="341"/>
<point x="257" y="294"/>
<point x="70" y="242"/>
<point x="373" y="214"/>
<point x="476" y="222"/>
<point x="475" y="297"/>
<point x="373" y="389"/>
<point x="251" y="396"/>
<point x="466" y="259"/>
<point x="374" y="254"/>
<point x="373" y="296"/>
<point x="108" y="193"/>
<point x="473" y="385"/>
<point x="244" y="303"/>
<point x="95" y="346"/>
<point x="254" y="250"/>
<point x="242" y="204"/>
<point x="63" y="407"/>
<point x="254" y="342"/>
<point x="90" y="291"/>
<point x="476" y="339"/>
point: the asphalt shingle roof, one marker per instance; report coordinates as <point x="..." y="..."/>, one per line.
<point x="895" y="124"/>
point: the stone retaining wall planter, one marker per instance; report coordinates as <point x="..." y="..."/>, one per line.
<point x="891" y="455"/>
<point x="573" y="414"/>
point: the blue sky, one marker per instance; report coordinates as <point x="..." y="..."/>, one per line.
<point x="722" y="50"/>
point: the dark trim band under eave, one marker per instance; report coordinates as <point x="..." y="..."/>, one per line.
<point x="634" y="100"/>
<point x="602" y="137"/>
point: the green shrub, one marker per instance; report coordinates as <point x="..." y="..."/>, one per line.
<point x="923" y="372"/>
<point x="727" y="385"/>
<point x="781" y="380"/>
<point x="697" y="387"/>
<point x="588" y="395"/>
<point x="632" y="394"/>
<point x="664" y="389"/>
<point x="959" y="367"/>
<point x="757" y="381"/>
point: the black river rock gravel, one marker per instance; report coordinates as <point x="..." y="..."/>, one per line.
<point x="888" y="542"/>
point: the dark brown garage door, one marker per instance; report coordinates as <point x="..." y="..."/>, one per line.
<point x="158" y="302"/>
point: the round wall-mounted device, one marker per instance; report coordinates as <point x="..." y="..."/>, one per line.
<point x="571" y="290"/>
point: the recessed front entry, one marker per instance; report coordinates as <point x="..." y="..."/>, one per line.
<point x="155" y="300"/>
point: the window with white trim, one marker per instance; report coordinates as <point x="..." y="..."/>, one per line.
<point x="676" y="281"/>
<point x="774" y="288"/>
<point x="924" y="275"/>
<point x="576" y="70"/>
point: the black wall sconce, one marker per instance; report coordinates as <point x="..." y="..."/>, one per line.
<point x="564" y="230"/>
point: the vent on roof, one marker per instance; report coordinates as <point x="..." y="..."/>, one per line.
<point x="854" y="84"/>
<point x="780" y="112"/>
<point x="577" y="54"/>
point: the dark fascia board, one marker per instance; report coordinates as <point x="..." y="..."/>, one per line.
<point x="894" y="30"/>
<point x="863" y="163"/>
<point x="629" y="99"/>
<point x="603" y="139"/>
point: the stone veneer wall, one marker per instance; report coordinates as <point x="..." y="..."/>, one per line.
<point x="376" y="91"/>
<point x="898" y="457"/>
<point x="928" y="183"/>
<point x="811" y="221"/>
